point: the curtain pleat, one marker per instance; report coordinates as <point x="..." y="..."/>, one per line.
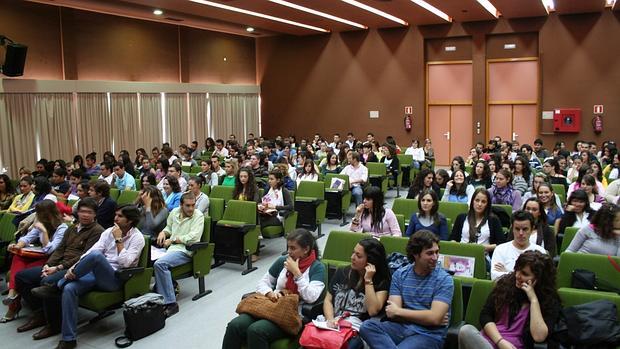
<point x="199" y="129"/>
<point x="177" y="122"/>
<point x="94" y="126"/>
<point x="150" y="121"/>
<point x="125" y="121"/>
<point x="23" y="149"/>
<point x="53" y="117"/>
<point x="234" y="113"/>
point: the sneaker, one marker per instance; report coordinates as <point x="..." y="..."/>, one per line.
<point x="171" y="309"/>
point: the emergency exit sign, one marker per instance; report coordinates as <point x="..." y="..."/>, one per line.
<point x="598" y="109"/>
<point x="408" y="110"/>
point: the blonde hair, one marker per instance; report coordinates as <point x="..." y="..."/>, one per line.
<point x="234" y="163"/>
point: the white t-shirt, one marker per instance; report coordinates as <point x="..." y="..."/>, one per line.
<point x="507" y="254"/>
<point x="485" y="233"/>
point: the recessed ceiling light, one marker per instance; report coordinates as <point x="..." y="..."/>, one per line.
<point x="375" y="11"/>
<point x="437" y="12"/>
<point x="549" y="5"/>
<point x="319" y="13"/>
<point x="249" y="29"/>
<point x="489" y="7"/>
<point x="258" y="14"/>
<point x="158" y="12"/>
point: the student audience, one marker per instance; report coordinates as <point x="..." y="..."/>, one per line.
<point x="602" y="235"/>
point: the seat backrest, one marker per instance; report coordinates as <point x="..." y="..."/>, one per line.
<point x="7" y="228"/>
<point x="571" y="297"/>
<point x="452" y="209"/>
<point x="206" y="233"/>
<point x="406" y="207"/>
<point x="114" y="193"/>
<point x="480" y="291"/>
<point x="476" y="251"/>
<point x="507" y="208"/>
<point x="596" y="263"/>
<point x="311" y="189"/>
<point x="404" y="160"/>
<point x="569" y="235"/>
<point x="240" y="211"/>
<point x="376" y="168"/>
<point x="456" y="308"/>
<point x="394" y="244"/>
<point x="222" y="192"/>
<point x="560" y="189"/>
<point x="127" y="197"/>
<point x="328" y="180"/>
<point x="339" y="245"/>
<point x="144" y="255"/>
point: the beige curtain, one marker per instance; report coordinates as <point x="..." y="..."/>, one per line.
<point x="199" y="129"/>
<point x="16" y="117"/>
<point x="54" y="122"/>
<point x="125" y="122"/>
<point x="177" y="123"/>
<point x="94" y="127"/>
<point x="150" y="121"/>
<point x="229" y="114"/>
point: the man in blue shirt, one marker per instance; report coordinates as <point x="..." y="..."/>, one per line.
<point x="123" y="180"/>
<point x="419" y="303"/>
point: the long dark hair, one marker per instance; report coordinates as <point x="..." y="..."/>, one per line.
<point x="541" y="222"/>
<point x="378" y="211"/>
<point x="418" y="183"/>
<point x="461" y="189"/>
<point x="250" y="189"/>
<point x="434" y="210"/>
<point x="527" y="172"/>
<point x="603" y="220"/>
<point x="486" y="171"/>
<point x="375" y="255"/>
<point x="474" y="230"/>
<point x="48" y="214"/>
<point x="569" y="218"/>
<point x="157" y="200"/>
<point x="10" y="189"/>
<point x="507" y="294"/>
<point x="461" y="162"/>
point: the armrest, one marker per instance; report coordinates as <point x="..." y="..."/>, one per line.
<point x="244" y="227"/>
<point x="311" y="311"/>
<point x="127" y="273"/>
<point x="197" y="246"/>
<point x="314" y="201"/>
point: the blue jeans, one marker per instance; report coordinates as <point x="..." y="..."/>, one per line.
<point x="163" y="278"/>
<point x="357" y="193"/>
<point x="390" y="335"/>
<point x="93" y="271"/>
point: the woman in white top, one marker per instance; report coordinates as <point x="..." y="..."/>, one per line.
<point x="308" y="173"/>
<point x="202" y="200"/>
<point x="577" y="213"/>
<point x="417" y="152"/>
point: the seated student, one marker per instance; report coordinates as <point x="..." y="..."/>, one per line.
<point x="481" y="176"/>
<point x="277" y="203"/>
<point x="528" y="153"/>
<point x="390" y="160"/>
<point x="522" y="308"/>
<point x="577" y="212"/>
<point x="118" y="247"/>
<point x="257" y="165"/>
<point x="551" y="168"/>
<point x="148" y="180"/>
<point x="371" y="217"/>
<point x="367" y="154"/>
<point x="542" y="235"/>
<point x="231" y="167"/>
<point x="174" y="170"/>
<point x="100" y="191"/>
<point x="359" y="290"/>
<point x="602" y="235"/>
<point x="457" y="189"/>
<point x="145" y="166"/>
<point x="122" y="179"/>
<point x="419" y="301"/>
<point x="506" y="254"/>
<point x="502" y="191"/>
<point x="245" y="186"/>
<point x="584" y="170"/>
<point x="92" y="169"/>
<point x="7" y="192"/>
<point x="172" y="192"/>
<point x="75" y="178"/>
<point x="308" y="173"/>
<point x="215" y="165"/>
<point x="22" y="202"/>
<point x="479" y="225"/>
<point x="299" y="272"/>
<point x="60" y="186"/>
<point x="206" y="171"/>
<point x="47" y="232"/>
<point x="194" y="186"/>
<point x="416" y="152"/>
<point x="161" y="169"/>
<point x="358" y="176"/>
<point x="106" y="173"/>
<point x="458" y="163"/>
<point x="428" y="217"/>
<point x="76" y="240"/>
<point x="588" y="184"/>
<point x="82" y="192"/>
<point x="612" y="193"/>
<point x="425" y="180"/>
<point x="331" y="164"/>
<point x="153" y="211"/>
<point x="522" y="175"/>
<point x="184" y="227"/>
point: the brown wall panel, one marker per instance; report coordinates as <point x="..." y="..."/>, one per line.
<point x="435" y="49"/>
<point x="526" y="45"/>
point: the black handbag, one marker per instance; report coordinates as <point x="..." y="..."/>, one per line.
<point x="583" y="279"/>
<point x="141" y="321"/>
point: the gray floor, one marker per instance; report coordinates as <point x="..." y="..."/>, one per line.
<point x="199" y="324"/>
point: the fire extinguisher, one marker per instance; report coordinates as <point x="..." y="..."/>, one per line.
<point x="408" y="123"/>
<point x="597" y="124"/>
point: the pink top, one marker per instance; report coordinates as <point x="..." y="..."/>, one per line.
<point x="389" y="225"/>
<point x="512" y="332"/>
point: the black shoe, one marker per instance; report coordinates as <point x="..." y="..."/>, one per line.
<point x="171" y="309"/>
<point x="66" y="345"/>
<point x="46" y="292"/>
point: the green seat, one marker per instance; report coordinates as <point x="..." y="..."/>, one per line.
<point x="344" y="195"/>
<point x="377" y="175"/>
<point x="93" y="179"/>
<point x="405" y="163"/>
<point x="456" y="315"/>
<point x="452" y="209"/>
<point x="217" y="201"/>
<point x="339" y="247"/>
<point x="480" y="291"/>
<point x="114" y="193"/>
<point x="206" y="188"/>
<point x="127" y="197"/>
<point x="394" y="244"/>
<point x="138" y="283"/>
<point x="405" y="207"/>
<point x="571" y="297"/>
<point x="200" y="265"/>
<point x="476" y="251"/>
<point x="569" y="235"/>
<point x="7" y="235"/>
<point x="236" y="234"/>
<point x="274" y="231"/>
<point x="186" y="169"/>
<point x="507" y="208"/>
<point x="596" y="263"/>
<point x="311" y="193"/>
<point x="138" y="184"/>
<point x="560" y="189"/>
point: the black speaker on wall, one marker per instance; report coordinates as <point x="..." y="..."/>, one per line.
<point x="14" y="60"/>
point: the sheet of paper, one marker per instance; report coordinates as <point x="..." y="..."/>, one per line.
<point x="323" y="325"/>
<point x="157" y="252"/>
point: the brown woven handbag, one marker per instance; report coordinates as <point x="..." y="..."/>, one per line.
<point x="284" y="312"/>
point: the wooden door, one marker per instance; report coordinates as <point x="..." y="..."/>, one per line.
<point x="461" y="137"/>
<point x="439" y="132"/>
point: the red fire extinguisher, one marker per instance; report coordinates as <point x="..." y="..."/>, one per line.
<point x="597" y="124"/>
<point x="408" y="123"/>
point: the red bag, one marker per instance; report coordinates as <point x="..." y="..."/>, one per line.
<point x="317" y="338"/>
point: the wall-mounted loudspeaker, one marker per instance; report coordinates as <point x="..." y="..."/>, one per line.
<point x="14" y="60"/>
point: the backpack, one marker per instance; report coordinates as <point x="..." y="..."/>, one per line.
<point x="588" y="325"/>
<point x="396" y="260"/>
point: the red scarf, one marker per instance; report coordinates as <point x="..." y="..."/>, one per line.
<point x="304" y="264"/>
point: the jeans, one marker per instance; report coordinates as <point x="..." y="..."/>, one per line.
<point x="390" y="335"/>
<point x="93" y="271"/>
<point x="163" y="277"/>
<point x="30" y="278"/>
<point x="255" y="333"/>
<point x="357" y="193"/>
<point x="471" y="338"/>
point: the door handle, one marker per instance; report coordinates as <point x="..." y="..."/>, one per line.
<point x="514" y="136"/>
<point x="447" y="134"/>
